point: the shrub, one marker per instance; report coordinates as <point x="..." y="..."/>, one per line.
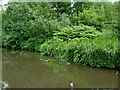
<point x="101" y="15"/>
<point x="27" y="25"/>
<point x="98" y="52"/>
<point x="68" y="33"/>
<point x="89" y="18"/>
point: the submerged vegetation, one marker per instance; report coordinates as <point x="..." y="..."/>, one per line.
<point x="86" y="33"/>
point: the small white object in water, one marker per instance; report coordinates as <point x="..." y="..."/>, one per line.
<point x="5" y="84"/>
<point x="71" y="84"/>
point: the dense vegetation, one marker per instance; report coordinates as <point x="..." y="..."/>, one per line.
<point x="86" y="33"/>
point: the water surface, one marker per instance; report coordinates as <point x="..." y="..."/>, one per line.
<point x="31" y="70"/>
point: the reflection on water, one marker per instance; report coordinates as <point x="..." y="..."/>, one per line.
<point x="30" y="70"/>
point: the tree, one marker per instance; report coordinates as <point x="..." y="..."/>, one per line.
<point x="26" y="22"/>
<point x="81" y="6"/>
<point x="26" y="25"/>
<point x="61" y="7"/>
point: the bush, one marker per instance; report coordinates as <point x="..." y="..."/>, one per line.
<point x="98" y="52"/>
<point x="89" y="18"/>
<point x="27" y="25"/>
<point x="101" y="15"/>
<point x="84" y="31"/>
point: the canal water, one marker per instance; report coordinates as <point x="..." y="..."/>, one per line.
<point x="31" y="70"/>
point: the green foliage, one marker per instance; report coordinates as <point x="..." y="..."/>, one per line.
<point x="84" y="31"/>
<point x="61" y="7"/>
<point x="90" y="18"/>
<point x="110" y="12"/>
<point x="98" y="52"/>
<point x="100" y="15"/>
<point x="65" y="7"/>
<point x="81" y="6"/>
<point x="27" y="25"/>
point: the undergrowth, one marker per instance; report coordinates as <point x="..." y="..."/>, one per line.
<point x="99" y="52"/>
